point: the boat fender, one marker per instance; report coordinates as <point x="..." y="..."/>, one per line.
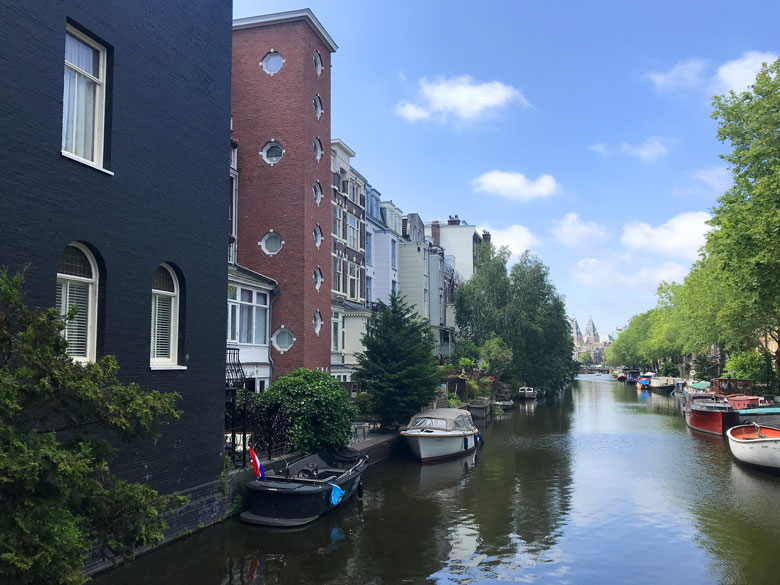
<point x="360" y="490"/>
<point x="480" y="439"/>
<point x="335" y="494"/>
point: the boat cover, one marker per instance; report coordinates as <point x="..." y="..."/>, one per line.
<point x="700" y="385"/>
<point x="445" y="419"/>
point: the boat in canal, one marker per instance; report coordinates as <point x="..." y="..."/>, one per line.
<point x="527" y="393"/>
<point x="756" y="445"/>
<point x="305" y="489"/>
<point x="662" y="385"/>
<point x="710" y="414"/>
<point x="440" y="433"/>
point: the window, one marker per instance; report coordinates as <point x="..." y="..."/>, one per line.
<point x="317" y="234"/>
<point x="272" y="63"/>
<point x="337" y="224"/>
<point x="353" y="288"/>
<point x="317" y="191"/>
<point x="318" y="66"/>
<point x="317" y="104"/>
<point x="317" y="322"/>
<point x="369" y="249"/>
<point x="272" y="152"/>
<point x="283" y="339"/>
<point x="83" y="97"/>
<point x="337" y="275"/>
<point x="165" y="316"/>
<point x="369" y="282"/>
<point x="317" y="149"/>
<point x="77" y="281"/>
<point x="394" y="286"/>
<point x="317" y="277"/>
<point x="271" y="243"/>
<point x="335" y="342"/>
<point x="393" y="253"/>
<point x="353" y="232"/>
<point x="247" y="316"/>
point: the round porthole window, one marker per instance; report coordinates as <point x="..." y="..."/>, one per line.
<point x="272" y="152"/>
<point x="317" y="322"/>
<point x="317" y="149"/>
<point x="317" y="277"/>
<point x="318" y="109"/>
<point x="318" y="67"/>
<point x="317" y="233"/>
<point x="271" y="243"/>
<point x="282" y="339"/>
<point x="272" y="63"/>
<point x="317" y="191"/>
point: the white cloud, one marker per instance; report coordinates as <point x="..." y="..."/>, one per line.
<point x="570" y="231"/>
<point x="707" y="182"/>
<point x="649" y="151"/>
<point x="461" y="97"/>
<point x="517" y="238"/>
<point x="685" y="75"/>
<point x="515" y="186"/>
<point x="612" y="274"/>
<point x="740" y="73"/>
<point x="681" y="236"/>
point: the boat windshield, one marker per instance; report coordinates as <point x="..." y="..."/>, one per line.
<point x="429" y="423"/>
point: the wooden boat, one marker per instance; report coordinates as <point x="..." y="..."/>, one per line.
<point x="710" y="414"/>
<point x="662" y="385"/>
<point x="755" y="444"/>
<point x="527" y="393"/>
<point x="303" y="490"/>
<point x="505" y="404"/>
<point x="440" y="433"/>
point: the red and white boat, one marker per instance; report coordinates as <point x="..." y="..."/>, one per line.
<point x="709" y="414"/>
<point x="756" y="445"/>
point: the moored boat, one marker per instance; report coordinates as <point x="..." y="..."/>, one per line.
<point x="755" y="444"/>
<point x="440" y="433"/>
<point x="527" y="393"/>
<point x="303" y="490"/>
<point x="709" y="414"/>
<point x="762" y="415"/>
<point x="662" y="385"/>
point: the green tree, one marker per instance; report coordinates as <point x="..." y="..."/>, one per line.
<point x="308" y="409"/>
<point x="57" y="495"/>
<point x="746" y="238"/>
<point x="586" y="359"/>
<point x="497" y="357"/>
<point x="397" y="366"/>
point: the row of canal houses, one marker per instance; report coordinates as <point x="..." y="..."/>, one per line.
<point x="115" y="126"/>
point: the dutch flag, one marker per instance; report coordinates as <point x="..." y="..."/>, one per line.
<point x="256" y="467"/>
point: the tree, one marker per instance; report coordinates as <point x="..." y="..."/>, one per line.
<point x="398" y="367"/>
<point x="586" y="359"/>
<point x="314" y="409"/>
<point x="57" y="495"/>
<point x="497" y="357"/>
<point x="746" y="238"/>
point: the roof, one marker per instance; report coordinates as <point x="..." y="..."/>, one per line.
<point x="700" y="385"/>
<point x="279" y="17"/>
<point x="245" y="273"/>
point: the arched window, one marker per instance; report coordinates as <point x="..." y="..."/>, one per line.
<point x="163" y="348"/>
<point x="77" y="282"/>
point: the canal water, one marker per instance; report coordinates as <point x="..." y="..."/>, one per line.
<point x="605" y="485"/>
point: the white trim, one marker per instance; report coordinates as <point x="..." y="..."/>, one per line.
<point x="158" y="367"/>
<point x="85" y="161"/>
<point x="292" y="15"/>
<point x="173" y="344"/>
<point x="91" y="341"/>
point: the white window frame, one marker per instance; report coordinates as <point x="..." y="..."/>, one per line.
<point x="267" y="147"/>
<point x="317" y="192"/>
<point x="339" y="227"/>
<point x="317" y="146"/>
<point x="276" y="335"/>
<point x="353" y="231"/>
<point x="393" y="254"/>
<point x="335" y="331"/>
<point x="173" y="348"/>
<point x="268" y="56"/>
<point x="98" y="137"/>
<point x="369" y="289"/>
<point x="92" y="301"/>
<point x="263" y="241"/>
<point x="317" y="235"/>
<point x="369" y="248"/>
<point x="317" y="322"/>
<point x="317" y="105"/>
<point x="339" y="275"/>
<point x="317" y="278"/>
<point x="319" y="66"/>
<point x="353" y="281"/>
<point x="234" y="310"/>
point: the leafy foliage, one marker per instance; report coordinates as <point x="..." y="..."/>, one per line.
<point x="308" y="409"/>
<point x="397" y="366"/>
<point x="523" y="309"/>
<point x="496" y="356"/>
<point x="57" y="494"/>
<point x="586" y="359"/>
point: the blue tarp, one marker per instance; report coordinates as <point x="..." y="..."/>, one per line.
<point x="335" y="494"/>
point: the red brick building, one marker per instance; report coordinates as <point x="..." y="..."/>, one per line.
<point x="281" y="118"/>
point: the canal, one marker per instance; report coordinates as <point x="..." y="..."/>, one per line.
<point x="606" y="485"/>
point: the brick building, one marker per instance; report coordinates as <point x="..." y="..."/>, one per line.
<point x="281" y="118"/>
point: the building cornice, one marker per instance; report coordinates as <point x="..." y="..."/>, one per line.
<point x="305" y="15"/>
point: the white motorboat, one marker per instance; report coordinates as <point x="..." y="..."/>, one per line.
<point x="756" y="444"/>
<point x="439" y="433"/>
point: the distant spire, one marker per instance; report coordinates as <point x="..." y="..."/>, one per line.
<point x="591" y="335"/>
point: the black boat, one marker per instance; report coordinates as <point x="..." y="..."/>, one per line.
<point x="305" y="489"/>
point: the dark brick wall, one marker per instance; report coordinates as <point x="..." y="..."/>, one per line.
<point x="167" y="135"/>
<point x="280" y="197"/>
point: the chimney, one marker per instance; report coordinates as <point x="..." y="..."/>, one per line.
<point x="435" y="232"/>
<point x="485" y="236"/>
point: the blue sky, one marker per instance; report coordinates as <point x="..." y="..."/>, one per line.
<point x="578" y="130"/>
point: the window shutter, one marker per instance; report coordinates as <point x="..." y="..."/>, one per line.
<point x="77" y="293"/>
<point x="162" y="308"/>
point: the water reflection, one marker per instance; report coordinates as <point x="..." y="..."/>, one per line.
<point x="604" y="485"/>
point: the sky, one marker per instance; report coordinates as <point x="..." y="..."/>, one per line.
<point x="580" y="131"/>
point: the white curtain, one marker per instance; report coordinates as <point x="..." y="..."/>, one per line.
<point x="78" y="98"/>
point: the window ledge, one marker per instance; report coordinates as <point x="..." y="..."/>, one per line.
<point x="86" y="162"/>
<point x="166" y="367"/>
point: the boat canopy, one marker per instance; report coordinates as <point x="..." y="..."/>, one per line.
<point x="700" y="385"/>
<point x="445" y="419"/>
